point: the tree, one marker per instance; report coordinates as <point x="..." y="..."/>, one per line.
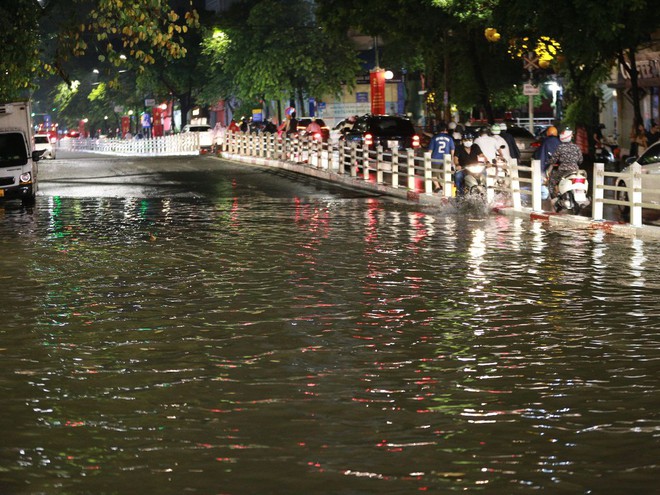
<point x="274" y="49"/>
<point x="110" y="31"/>
<point x="444" y="39"/>
<point x="592" y="38"/>
<point x="19" y="38"/>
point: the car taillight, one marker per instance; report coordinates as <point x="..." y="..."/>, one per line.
<point x="415" y="141"/>
<point x="318" y="136"/>
<point x="535" y="144"/>
<point x="368" y="139"/>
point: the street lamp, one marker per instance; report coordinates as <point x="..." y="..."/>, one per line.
<point x="554" y="88"/>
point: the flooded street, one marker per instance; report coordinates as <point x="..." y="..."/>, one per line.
<point x="185" y="325"/>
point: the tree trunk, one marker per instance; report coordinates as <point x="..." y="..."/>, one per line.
<point x="480" y="78"/>
<point x="631" y="68"/>
<point x="185" y="104"/>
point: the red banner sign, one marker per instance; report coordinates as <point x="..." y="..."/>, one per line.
<point x="125" y="125"/>
<point x="377" y="79"/>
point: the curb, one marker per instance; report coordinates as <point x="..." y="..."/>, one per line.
<point x="559" y="219"/>
<point x="584" y="223"/>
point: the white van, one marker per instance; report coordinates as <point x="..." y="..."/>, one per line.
<point x="18" y="161"/>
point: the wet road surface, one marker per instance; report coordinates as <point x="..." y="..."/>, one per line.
<point x="195" y="326"/>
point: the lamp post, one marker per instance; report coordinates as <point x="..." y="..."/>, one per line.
<point x="531" y="63"/>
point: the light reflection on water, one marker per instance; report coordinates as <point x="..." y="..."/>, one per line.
<point x="323" y="345"/>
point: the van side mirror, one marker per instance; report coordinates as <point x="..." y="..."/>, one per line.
<point x="37" y="154"/>
<point x="630" y="160"/>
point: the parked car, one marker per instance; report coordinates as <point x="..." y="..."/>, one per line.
<point x="340" y="128"/>
<point x="650" y="163"/>
<point x="388" y="131"/>
<point x="205" y="135"/>
<point x="42" y="143"/>
<point x="525" y="141"/>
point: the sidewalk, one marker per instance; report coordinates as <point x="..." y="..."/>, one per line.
<point x="649" y="232"/>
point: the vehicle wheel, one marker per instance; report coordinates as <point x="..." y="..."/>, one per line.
<point x="558" y="205"/>
<point x="575" y="206"/>
<point x="477" y="191"/>
<point x="624" y="211"/>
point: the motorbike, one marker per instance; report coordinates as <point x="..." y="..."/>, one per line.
<point x="573" y="187"/>
<point x="502" y="176"/>
<point x="605" y="154"/>
<point x="474" y="179"/>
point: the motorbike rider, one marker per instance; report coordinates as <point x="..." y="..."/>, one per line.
<point x="489" y="143"/>
<point x="469" y="152"/>
<point x="549" y="146"/>
<point x="312" y="128"/>
<point x="566" y="158"/>
<point x="503" y="150"/>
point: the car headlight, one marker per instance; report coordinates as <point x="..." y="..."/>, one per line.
<point x="26" y="177"/>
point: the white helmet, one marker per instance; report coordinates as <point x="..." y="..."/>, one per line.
<point x="566" y="136"/>
<point x="495" y="129"/>
<point x="452" y="126"/>
<point x="502" y="127"/>
<point x="456" y="136"/>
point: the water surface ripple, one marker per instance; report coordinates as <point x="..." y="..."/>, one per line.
<point x="322" y="345"/>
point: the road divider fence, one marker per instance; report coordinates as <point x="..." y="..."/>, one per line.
<point x="185" y="143"/>
<point x="413" y="169"/>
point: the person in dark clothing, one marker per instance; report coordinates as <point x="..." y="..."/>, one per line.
<point x="270" y="126"/>
<point x="244" y="125"/>
<point x="466" y="154"/>
<point x="549" y="146"/>
<point x="567" y="158"/>
<point x="654" y="133"/>
<point x="291" y="124"/>
<point x="514" y="151"/>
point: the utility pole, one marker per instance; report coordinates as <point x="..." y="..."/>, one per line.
<point x="531" y="63"/>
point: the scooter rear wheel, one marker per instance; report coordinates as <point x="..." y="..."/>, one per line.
<point x="623" y="196"/>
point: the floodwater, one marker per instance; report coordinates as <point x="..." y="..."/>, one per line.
<point x="320" y="343"/>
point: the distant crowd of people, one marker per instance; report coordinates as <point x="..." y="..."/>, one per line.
<point x="640" y="138"/>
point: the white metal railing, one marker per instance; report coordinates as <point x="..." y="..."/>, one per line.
<point x="186" y="143"/>
<point x="410" y="169"/>
<point x="627" y="192"/>
<point x="524" y="121"/>
<point x="417" y="172"/>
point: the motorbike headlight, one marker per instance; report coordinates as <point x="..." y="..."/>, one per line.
<point x="475" y="168"/>
<point x="26" y="177"/>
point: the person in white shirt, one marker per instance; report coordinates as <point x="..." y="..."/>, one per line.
<point x="491" y="143"/>
<point x="502" y="145"/>
<point x="487" y="143"/>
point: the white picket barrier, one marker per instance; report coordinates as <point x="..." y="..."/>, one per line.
<point x="627" y="193"/>
<point x="173" y="145"/>
<point x="412" y="170"/>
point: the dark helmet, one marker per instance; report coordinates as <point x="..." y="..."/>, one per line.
<point x="468" y="136"/>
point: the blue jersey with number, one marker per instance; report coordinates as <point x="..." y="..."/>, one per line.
<point x="441" y="144"/>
